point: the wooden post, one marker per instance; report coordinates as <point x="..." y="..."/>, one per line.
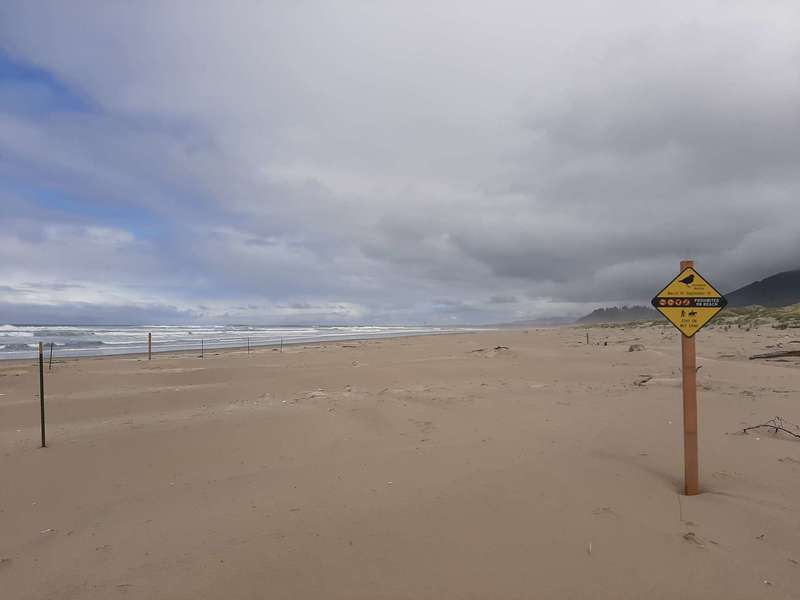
<point x="149" y="346"/>
<point x="202" y="348"/>
<point x="248" y="345"/>
<point x="691" y="461"/>
<point x="587" y="337"/>
<point x="41" y="392"/>
<point x="50" y="364"/>
<point x="281" y="345"/>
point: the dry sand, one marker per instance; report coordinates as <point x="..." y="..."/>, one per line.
<point x="404" y="468"/>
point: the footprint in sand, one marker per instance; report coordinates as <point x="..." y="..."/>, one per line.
<point x="605" y="510"/>
<point x="424" y="427"/>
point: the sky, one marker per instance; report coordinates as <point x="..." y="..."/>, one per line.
<point x="448" y="162"/>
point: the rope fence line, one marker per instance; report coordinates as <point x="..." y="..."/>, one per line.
<point x="154" y="346"/>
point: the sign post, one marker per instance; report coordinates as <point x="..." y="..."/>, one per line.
<point x="691" y="459"/>
<point x="689" y="302"/>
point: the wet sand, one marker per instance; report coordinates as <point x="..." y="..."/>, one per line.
<point x="428" y="467"/>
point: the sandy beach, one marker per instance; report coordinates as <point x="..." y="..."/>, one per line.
<point x="504" y="464"/>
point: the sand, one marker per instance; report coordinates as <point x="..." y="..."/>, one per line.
<point x="429" y="467"/>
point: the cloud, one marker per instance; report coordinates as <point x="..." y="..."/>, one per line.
<point x="503" y="299"/>
<point x="93" y="314"/>
<point x="399" y="163"/>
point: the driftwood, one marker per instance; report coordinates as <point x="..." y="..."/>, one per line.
<point x="780" y="354"/>
<point x="777" y="424"/>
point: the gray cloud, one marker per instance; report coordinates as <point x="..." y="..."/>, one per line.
<point x="391" y="164"/>
<point x="94" y="314"/>
<point x="503" y="299"/>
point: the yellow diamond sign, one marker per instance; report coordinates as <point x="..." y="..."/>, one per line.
<point x="689" y="302"/>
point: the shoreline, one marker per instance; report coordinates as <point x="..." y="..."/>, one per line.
<point x="218" y="350"/>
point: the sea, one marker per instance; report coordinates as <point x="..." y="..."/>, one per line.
<point x="21" y="341"/>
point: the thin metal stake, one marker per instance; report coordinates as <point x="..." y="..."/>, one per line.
<point x="50" y="366"/>
<point x="202" y="348"/>
<point x="149" y="346"/>
<point x="281" y="345"/>
<point x="41" y="391"/>
<point x="248" y="345"/>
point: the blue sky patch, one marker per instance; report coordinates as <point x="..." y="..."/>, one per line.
<point x="27" y="88"/>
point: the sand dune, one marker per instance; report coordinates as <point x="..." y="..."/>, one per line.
<point x="507" y="464"/>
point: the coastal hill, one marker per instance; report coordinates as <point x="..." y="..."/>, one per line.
<point x="781" y="289"/>
<point x="618" y="314"/>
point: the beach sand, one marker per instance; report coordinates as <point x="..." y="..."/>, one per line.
<point x="427" y="467"/>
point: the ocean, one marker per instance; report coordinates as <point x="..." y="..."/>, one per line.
<point x="21" y="341"/>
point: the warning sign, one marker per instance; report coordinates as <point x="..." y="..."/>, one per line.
<point x="689" y="302"/>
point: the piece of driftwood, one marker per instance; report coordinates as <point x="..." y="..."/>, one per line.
<point x="496" y="348"/>
<point x="777" y="424"/>
<point x="780" y="354"/>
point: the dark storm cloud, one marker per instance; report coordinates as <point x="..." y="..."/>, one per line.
<point x="322" y="162"/>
